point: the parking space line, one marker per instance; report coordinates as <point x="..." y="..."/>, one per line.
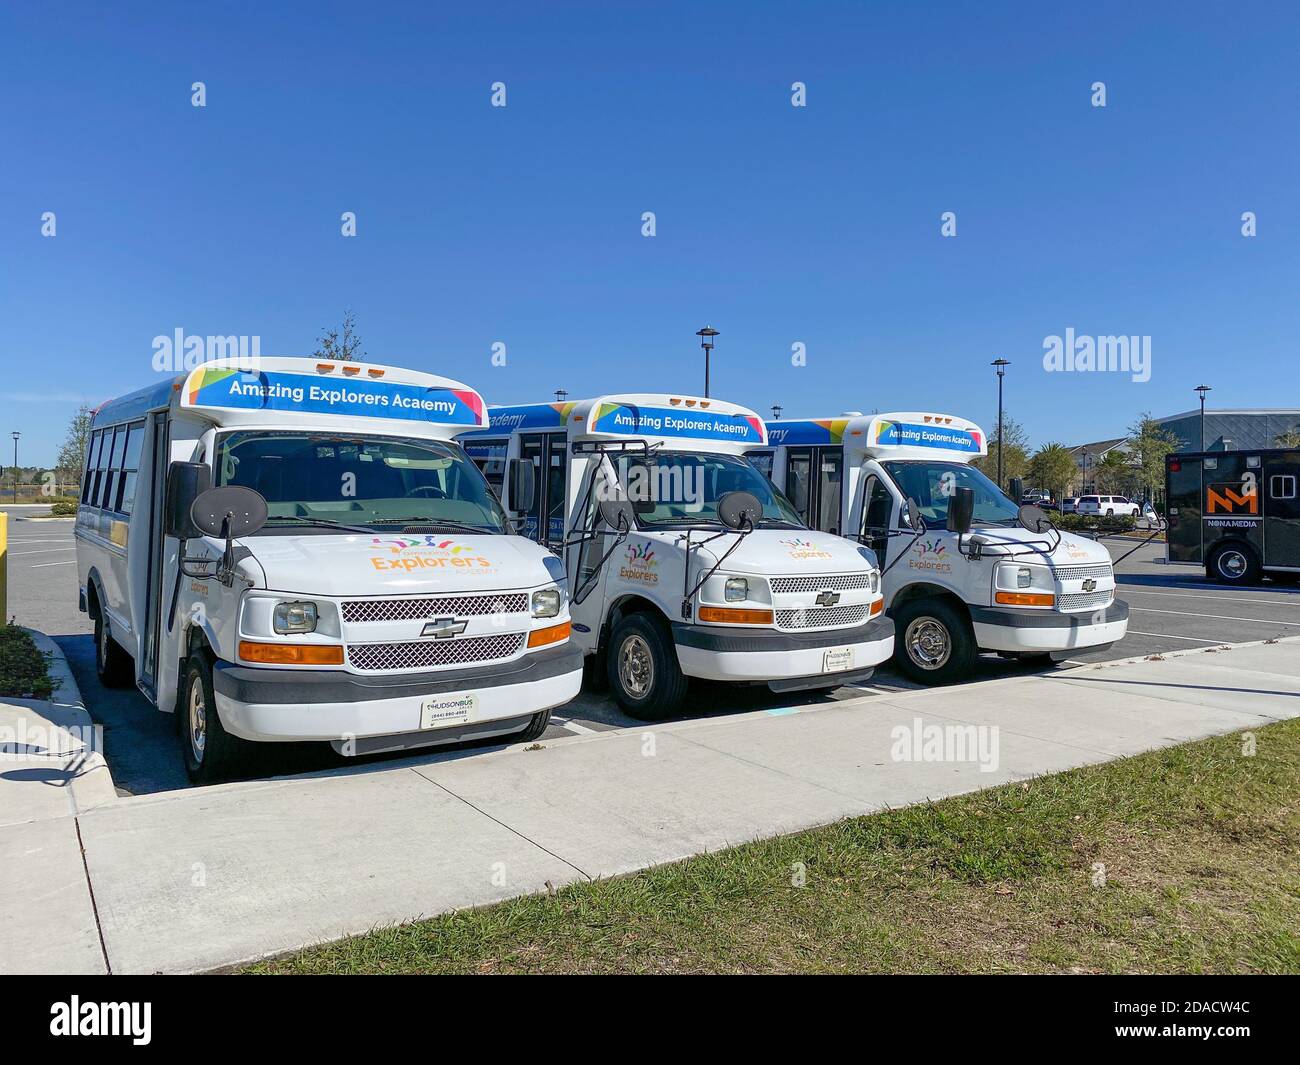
<point x="41" y="551"/>
<point x="1222" y="598"/>
<point x="1171" y="636"/>
<point x="44" y="565"/>
<point x="1216" y="617"/>
<point x="573" y="726"/>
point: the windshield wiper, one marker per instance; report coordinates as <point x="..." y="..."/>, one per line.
<point x="322" y="523"/>
<point x="437" y="523"/>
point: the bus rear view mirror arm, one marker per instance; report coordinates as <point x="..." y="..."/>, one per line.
<point x="618" y="515"/>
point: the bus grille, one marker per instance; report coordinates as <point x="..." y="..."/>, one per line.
<point x="786" y="585"/>
<point x="1084" y="600"/>
<point x="1097" y="571"/>
<point x="822" y="617"/>
<point x="426" y="654"/>
<point x="360" y="610"/>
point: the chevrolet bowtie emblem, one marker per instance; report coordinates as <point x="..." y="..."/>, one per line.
<point x="1089" y="585"/>
<point x="828" y="598"/>
<point x="444" y="628"/>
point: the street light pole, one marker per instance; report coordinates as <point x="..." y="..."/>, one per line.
<point x="1002" y="365"/>
<point x="706" y="336"/>
<point x="16" y="436"/>
<point x="776" y="412"/>
<point x="1201" y="390"/>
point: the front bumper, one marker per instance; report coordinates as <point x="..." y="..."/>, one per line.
<point x="1007" y="629"/>
<point x="715" y="653"/>
<point x="284" y="705"/>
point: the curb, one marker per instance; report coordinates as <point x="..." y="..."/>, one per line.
<point x="92" y="785"/>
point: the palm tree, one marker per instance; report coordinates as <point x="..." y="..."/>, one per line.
<point x="1291" y="438"/>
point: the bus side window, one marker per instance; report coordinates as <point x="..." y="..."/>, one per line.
<point x="763" y="460"/>
<point x="130" y="465"/>
<point x="798" y="481"/>
<point x="92" y="463"/>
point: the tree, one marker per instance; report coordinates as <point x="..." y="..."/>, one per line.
<point x="72" y="455"/>
<point x="1291" y="438"/>
<point x="1015" y="459"/>
<point x="345" y="348"/>
<point x="1053" y="468"/>
<point x="1148" y="444"/>
<point x="1115" y="472"/>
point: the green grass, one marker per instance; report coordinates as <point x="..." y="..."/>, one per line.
<point x="1200" y="845"/>
<point x="24" y="671"/>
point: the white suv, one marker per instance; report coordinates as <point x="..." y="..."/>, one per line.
<point x="1109" y="505"/>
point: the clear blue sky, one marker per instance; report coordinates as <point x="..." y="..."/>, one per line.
<point x="776" y="224"/>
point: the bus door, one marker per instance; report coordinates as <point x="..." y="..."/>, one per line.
<point x="160" y="437"/>
<point x="877" y="516"/>
<point x="1282" y="510"/>
<point x="548" y="454"/>
<point x="813" y="480"/>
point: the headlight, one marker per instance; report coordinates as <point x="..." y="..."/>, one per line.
<point x="1024" y="577"/>
<point x="295" y="617"/>
<point x="875" y="582"/>
<point x="737" y="590"/>
<point x="546" y="603"/>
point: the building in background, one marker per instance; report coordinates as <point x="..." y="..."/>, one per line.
<point x="1225" y="430"/>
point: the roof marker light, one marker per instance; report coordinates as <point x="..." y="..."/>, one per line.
<point x="351" y="371"/>
<point x="325" y="367"/>
<point x="690" y="402"/>
<point x="373" y="372"/>
<point x="673" y="401"/>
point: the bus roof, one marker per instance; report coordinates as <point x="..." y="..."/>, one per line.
<point x="903" y="434"/>
<point x="284" y="390"/>
<point x="654" y="417"/>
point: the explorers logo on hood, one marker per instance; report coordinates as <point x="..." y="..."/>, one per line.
<point x="640" y="565"/>
<point x="801" y="548"/>
<point x="426" y="552"/>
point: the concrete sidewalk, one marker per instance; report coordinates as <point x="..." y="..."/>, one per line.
<point x="198" y="879"/>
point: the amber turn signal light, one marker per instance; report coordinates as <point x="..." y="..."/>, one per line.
<point x="291" y="654"/>
<point x="877" y="607"/>
<point x="549" y="635"/>
<point x="1025" y="598"/>
<point x="735" y="615"/>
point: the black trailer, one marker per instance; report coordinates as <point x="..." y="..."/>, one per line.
<point x="1235" y="512"/>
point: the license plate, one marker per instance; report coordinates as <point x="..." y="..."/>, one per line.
<point x="441" y="710"/>
<point x="837" y="660"/>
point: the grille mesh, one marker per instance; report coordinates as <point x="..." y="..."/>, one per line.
<point x="783" y="585"/>
<point x="821" y="617"/>
<point x="1084" y="600"/>
<point x="1079" y="573"/>
<point x="428" y="653"/>
<point x="356" y="610"/>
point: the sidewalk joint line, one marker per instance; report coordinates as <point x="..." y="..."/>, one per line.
<point x="498" y="820"/>
<point x="94" y="906"/>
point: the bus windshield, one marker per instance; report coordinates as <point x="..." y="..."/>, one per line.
<point x="322" y="479"/>
<point x="932" y="484"/>
<point x="679" y="489"/>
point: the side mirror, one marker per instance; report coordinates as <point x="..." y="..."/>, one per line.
<point x="1033" y="518"/>
<point x="738" y="509"/>
<point x="961" y="508"/>
<point x="911" y="515"/>
<point x="523" y="485"/>
<point x="186" y="481"/>
<point x="618" y="514"/>
<point x="1017" y="490"/>
<point x="229" y="512"/>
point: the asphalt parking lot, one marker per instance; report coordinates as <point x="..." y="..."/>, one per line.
<point x="1171" y="608"/>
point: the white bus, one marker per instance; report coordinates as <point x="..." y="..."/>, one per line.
<point x="984" y="575"/>
<point x="300" y="550"/>
<point x="682" y="560"/>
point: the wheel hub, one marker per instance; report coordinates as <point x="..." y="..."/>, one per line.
<point x="197" y="720"/>
<point x="928" y="643"/>
<point x="635" y="666"/>
<point x="1232" y="564"/>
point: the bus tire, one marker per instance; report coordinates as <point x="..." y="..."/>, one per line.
<point x="537" y="725"/>
<point x="1234" y="563"/>
<point x="113" y="665"/>
<point x="211" y="753"/>
<point x="935" y="643"/>
<point x="643" y="670"/>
